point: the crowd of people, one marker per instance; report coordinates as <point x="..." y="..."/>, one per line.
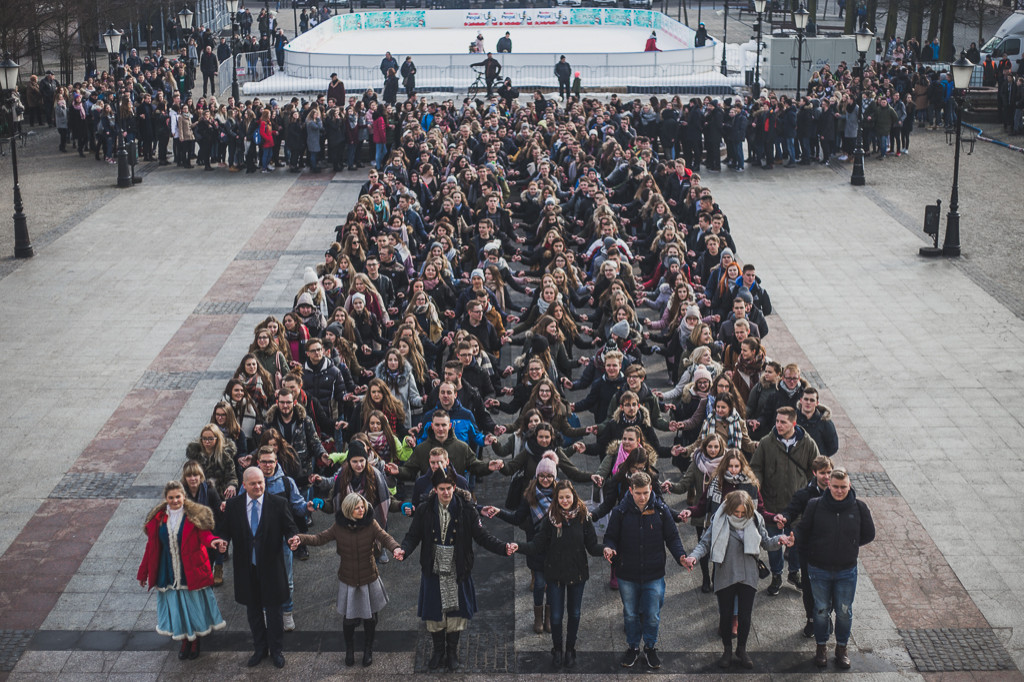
<point x="502" y="297"/>
<point x="153" y="101"/>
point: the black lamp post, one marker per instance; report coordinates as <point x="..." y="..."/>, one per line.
<point x="185" y="17"/>
<point x="725" y="34"/>
<point x="800" y="17"/>
<point x="864" y="37"/>
<point x="8" y="84"/>
<point x="112" y="40"/>
<point x="755" y="88"/>
<point x="232" y="6"/>
<point x="962" y="70"/>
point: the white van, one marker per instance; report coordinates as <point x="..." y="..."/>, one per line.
<point x="1008" y="40"/>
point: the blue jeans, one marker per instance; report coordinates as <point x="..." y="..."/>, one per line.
<point x="564" y="598"/>
<point x="540" y="586"/>
<point x="737" y="154"/>
<point x="265" y="157"/>
<point x="382" y="150"/>
<point x="791" y="148"/>
<point x="288" y="564"/>
<point x="883" y="144"/>
<point x="641" y="610"/>
<point x="776" y="557"/>
<point x="833" y="591"/>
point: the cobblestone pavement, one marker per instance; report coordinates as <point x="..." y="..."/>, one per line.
<point x="160" y="311"/>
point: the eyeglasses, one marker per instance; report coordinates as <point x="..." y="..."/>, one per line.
<point x="268" y="461"/>
<point x="546" y="476"/>
<point x="315" y="350"/>
<point x="208" y="439"/>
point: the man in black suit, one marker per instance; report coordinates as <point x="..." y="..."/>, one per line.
<point x="259" y="524"/>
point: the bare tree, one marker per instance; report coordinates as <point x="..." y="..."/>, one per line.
<point x="915" y="20"/>
<point x="933" y="19"/>
<point x="946" y="39"/>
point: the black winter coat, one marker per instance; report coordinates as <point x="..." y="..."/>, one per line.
<point x="639" y="538"/>
<point x="565" y="550"/>
<point x="831" y="533"/>
<point x="276" y="524"/>
<point x="464" y="529"/>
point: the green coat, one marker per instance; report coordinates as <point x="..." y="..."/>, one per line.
<point x="782" y="474"/>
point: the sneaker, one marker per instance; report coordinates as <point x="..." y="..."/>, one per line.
<point x="289" y="621"/>
<point x="794" y="579"/>
<point x="630" y="657"/>
<point x="776" y="585"/>
<point x="843" y="157"/>
<point x="899" y="154"/>
<point x="653" y="660"/>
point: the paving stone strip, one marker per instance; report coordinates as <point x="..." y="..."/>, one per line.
<point x="32" y="575"/>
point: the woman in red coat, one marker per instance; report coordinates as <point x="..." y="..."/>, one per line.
<point x="178" y="531"/>
<point x="652" y="43"/>
<point x="266" y="141"/>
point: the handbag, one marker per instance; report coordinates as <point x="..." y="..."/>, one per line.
<point x="762" y="569"/>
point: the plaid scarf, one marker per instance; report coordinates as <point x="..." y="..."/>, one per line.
<point x="734" y="428"/>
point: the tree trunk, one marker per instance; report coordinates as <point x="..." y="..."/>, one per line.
<point x="873" y="15"/>
<point x="914" y="20"/>
<point x="890" y="20"/>
<point x="981" y="22"/>
<point x="946" y="48"/>
<point x="933" y="19"/>
<point x="851" y="17"/>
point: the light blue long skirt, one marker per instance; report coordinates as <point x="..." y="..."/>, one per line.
<point x="187" y="614"/>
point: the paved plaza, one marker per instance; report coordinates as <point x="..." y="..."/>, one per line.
<point x="120" y="335"/>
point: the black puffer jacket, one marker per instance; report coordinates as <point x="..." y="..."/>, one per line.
<point x="830" y="533"/>
<point x="565" y="550"/>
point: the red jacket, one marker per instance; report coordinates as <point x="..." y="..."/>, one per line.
<point x="196" y="536"/>
<point x="266" y="134"/>
<point x="380" y="130"/>
<point x="652" y="45"/>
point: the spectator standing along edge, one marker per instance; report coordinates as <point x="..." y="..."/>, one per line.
<point x="639" y="529"/>
<point x="831" y="532"/>
<point x="563" y="72"/>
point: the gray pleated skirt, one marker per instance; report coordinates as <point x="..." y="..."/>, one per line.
<point x="361" y="602"/>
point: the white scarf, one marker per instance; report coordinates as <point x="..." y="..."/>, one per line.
<point x="748" y="529"/>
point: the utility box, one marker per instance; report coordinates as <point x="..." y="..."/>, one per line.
<point x="781" y="51"/>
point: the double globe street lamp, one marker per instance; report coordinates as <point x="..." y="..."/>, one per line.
<point x="8" y="85"/>
<point x="864" y="37"/>
<point x="962" y="70"/>
<point x="112" y="41"/>
<point x="755" y="88"/>
<point x="232" y="6"/>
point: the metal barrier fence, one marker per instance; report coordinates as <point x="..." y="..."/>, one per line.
<point x="662" y="78"/>
<point x="252" y="67"/>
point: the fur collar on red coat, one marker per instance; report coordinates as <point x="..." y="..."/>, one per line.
<point x="198" y="515"/>
<point x="195" y="537"/>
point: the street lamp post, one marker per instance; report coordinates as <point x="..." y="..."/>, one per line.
<point x="962" y="70"/>
<point x="112" y="40"/>
<point x="725" y="34"/>
<point x="8" y="84"/>
<point x="800" y="17"/>
<point x="232" y="6"/>
<point x="755" y="88"/>
<point x="185" y="17"/>
<point x="864" y="37"/>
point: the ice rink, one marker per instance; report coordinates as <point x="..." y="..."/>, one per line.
<point x="525" y="40"/>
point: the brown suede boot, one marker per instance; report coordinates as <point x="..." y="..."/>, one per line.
<point x="218" y="575"/>
<point x="821" y="656"/>
<point x="842" y="659"/>
<point x="538" y="619"/>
